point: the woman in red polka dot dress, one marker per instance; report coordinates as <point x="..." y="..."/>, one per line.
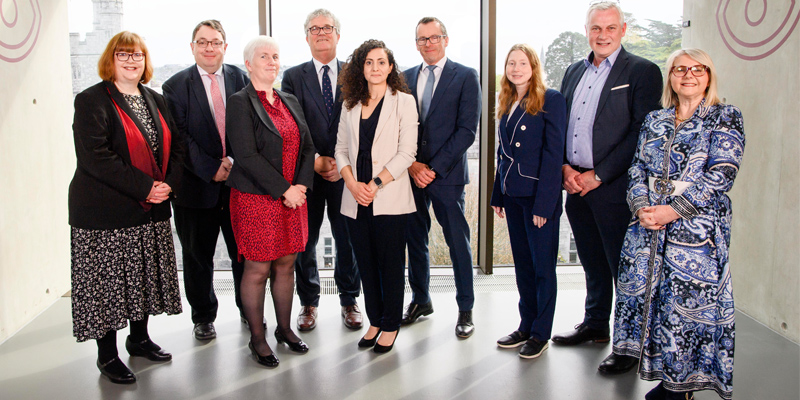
<point x="274" y="168"/>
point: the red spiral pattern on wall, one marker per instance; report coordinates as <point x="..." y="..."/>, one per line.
<point x="765" y="31"/>
<point x="20" y="29"/>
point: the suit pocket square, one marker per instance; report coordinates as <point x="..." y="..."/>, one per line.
<point x="620" y="87"/>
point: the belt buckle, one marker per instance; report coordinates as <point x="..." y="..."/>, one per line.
<point x="663" y="186"/>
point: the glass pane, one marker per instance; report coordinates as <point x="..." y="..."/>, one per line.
<point x="398" y="32"/>
<point x="653" y="31"/>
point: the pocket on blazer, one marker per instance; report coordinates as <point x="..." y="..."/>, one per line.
<point x="528" y="171"/>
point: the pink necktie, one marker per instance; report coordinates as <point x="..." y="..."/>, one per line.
<point x="219" y="109"/>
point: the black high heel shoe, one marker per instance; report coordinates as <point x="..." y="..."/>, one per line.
<point x="148" y="349"/>
<point x="380" y="349"/>
<point x="364" y="342"/>
<point x="297" y="347"/>
<point x="267" y="361"/>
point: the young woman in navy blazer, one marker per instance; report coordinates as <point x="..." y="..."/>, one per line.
<point x="527" y="187"/>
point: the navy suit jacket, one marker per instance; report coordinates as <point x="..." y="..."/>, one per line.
<point x="188" y="103"/>
<point x="452" y="121"/>
<point x="302" y="81"/>
<point x="529" y="156"/>
<point x="632" y="90"/>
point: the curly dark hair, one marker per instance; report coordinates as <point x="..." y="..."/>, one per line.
<point x="354" y="85"/>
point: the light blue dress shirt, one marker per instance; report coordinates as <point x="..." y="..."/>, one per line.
<point x="584" y="108"/>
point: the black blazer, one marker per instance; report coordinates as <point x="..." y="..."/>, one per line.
<point x="258" y="168"/>
<point x="632" y="90"/>
<point x="451" y="124"/>
<point x="302" y="82"/>
<point x="106" y="189"/>
<point x="188" y="102"/>
<point x="529" y="156"/>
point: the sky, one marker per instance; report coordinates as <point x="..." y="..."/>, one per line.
<point x="167" y="25"/>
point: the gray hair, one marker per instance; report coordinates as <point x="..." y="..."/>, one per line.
<point x="428" y="20"/>
<point x="258" y="41"/>
<point x="321" y="12"/>
<point x="603" y="6"/>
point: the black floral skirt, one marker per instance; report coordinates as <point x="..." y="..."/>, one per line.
<point x="120" y="275"/>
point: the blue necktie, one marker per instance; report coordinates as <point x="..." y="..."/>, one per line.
<point x="427" y="94"/>
<point x="327" y="90"/>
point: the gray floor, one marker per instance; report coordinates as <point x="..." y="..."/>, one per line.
<point x="43" y="361"/>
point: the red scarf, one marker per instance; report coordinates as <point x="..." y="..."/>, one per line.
<point x="141" y="154"/>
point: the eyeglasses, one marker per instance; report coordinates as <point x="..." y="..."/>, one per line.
<point x="122" y="57"/>
<point x="434" y="39"/>
<point x="681" y="70"/>
<point x="318" y="30"/>
<point x="204" y="43"/>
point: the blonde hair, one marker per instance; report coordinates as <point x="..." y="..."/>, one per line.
<point x="669" y="98"/>
<point x="127" y="42"/>
<point x="536" y="87"/>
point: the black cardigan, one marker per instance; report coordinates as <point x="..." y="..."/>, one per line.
<point x="258" y="167"/>
<point x="106" y="189"/>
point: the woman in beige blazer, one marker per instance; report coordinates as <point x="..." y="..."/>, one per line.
<point x="376" y="143"/>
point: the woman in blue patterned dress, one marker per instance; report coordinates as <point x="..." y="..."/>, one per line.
<point x="674" y="307"/>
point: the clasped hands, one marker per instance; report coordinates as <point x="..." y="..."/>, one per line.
<point x="537" y="220"/>
<point x="422" y="174"/>
<point x="364" y="193"/>
<point x="326" y="168"/>
<point x="656" y="217"/>
<point x="576" y="182"/>
<point x="295" y="196"/>
<point x="158" y="193"/>
<point x="224" y="170"/>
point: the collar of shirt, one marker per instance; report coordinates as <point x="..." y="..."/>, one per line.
<point x="333" y="73"/>
<point x="422" y="79"/>
<point x="609" y="61"/>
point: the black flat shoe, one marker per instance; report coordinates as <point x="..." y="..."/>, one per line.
<point x="380" y="349"/>
<point x="268" y="361"/>
<point x="515" y="339"/>
<point x="297" y="347"/>
<point x="365" y="343"/>
<point x="116" y="371"/>
<point x="464" y="327"/>
<point x="414" y="311"/>
<point x="582" y="333"/>
<point x="617" y="364"/>
<point x="147" y="349"/>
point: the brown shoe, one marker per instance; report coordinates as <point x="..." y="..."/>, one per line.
<point x="307" y="320"/>
<point x="351" y="316"/>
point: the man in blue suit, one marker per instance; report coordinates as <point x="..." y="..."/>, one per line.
<point x="449" y="98"/>
<point x="314" y="85"/>
<point x="608" y="96"/>
<point x="197" y="98"/>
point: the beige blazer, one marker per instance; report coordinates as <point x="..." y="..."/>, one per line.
<point x="394" y="148"/>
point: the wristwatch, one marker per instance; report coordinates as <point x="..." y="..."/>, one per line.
<point x="378" y="182"/>
<point x="597" y="178"/>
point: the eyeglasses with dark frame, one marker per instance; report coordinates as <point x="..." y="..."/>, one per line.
<point x="681" y="70"/>
<point x="122" y="56"/>
<point x="318" y="30"/>
<point x="434" y="39"/>
<point x="204" y="43"/>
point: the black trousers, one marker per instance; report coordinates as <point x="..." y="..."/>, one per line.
<point x="345" y="272"/>
<point x="198" y="230"/>
<point x="379" y="244"/>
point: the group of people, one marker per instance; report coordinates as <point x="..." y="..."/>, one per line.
<point x="381" y="147"/>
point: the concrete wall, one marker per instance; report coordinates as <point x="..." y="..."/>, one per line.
<point x="37" y="162"/>
<point x="757" y="54"/>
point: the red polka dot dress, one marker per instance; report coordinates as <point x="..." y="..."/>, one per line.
<point x="264" y="228"/>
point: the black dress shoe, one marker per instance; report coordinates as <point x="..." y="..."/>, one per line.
<point x="582" y="333"/>
<point x="464" y="327"/>
<point x="617" y="364"/>
<point x="380" y="349"/>
<point x="297" y="347"/>
<point x="515" y="339"/>
<point x="414" y="311"/>
<point x="204" y="331"/>
<point x="533" y="348"/>
<point x="267" y="361"/>
<point x="365" y="343"/>
<point x="148" y="349"/>
<point x="116" y="371"/>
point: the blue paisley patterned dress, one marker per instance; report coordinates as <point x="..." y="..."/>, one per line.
<point x="674" y="306"/>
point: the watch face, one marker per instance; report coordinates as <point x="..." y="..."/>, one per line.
<point x="378" y="181"/>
